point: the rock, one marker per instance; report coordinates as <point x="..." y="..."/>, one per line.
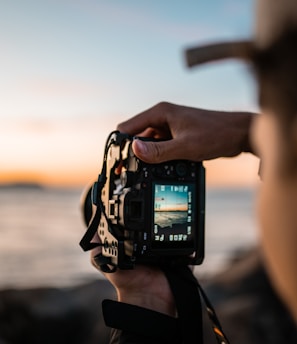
<point x="246" y="304"/>
<point x="248" y="308"/>
<point x="51" y="315"/>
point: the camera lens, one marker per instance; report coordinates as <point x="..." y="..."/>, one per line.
<point x="181" y="169"/>
<point x="87" y="205"/>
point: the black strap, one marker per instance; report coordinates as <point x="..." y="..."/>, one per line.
<point x="186" y="291"/>
<point x="148" y="324"/>
<point x="188" y="303"/>
<point x="217" y="328"/>
<point x="85" y="242"/>
<point x="186" y="329"/>
<point x="104" y="263"/>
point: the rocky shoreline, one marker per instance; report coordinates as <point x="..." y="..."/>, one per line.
<point x="247" y="306"/>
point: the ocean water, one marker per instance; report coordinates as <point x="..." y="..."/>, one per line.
<point x="40" y="230"/>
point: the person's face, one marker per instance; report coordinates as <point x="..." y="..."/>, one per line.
<point x="277" y="210"/>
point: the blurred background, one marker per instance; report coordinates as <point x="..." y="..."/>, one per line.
<point x="70" y="71"/>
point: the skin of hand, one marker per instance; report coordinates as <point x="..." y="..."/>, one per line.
<point x="191" y="133"/>
<point x="277" y="210"/>
<point x="144" y="286"/>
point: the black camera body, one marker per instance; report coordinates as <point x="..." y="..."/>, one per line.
<point x="149" y="213"/>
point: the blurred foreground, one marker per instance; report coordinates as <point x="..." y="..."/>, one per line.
<point x="248" y="308"/>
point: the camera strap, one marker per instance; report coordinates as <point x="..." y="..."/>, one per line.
<point x="86" y="242"/>
<point x="188" y="303"/>
<point x="187" y="293"/>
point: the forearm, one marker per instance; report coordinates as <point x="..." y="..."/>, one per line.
<point x="189" y="133"/>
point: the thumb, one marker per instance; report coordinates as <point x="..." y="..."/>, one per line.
<point x="150" y="152"/>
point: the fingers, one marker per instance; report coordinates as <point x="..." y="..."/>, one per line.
<point x="150" y="152"/>
<point x="154" y="117"/>
<point x="157" y="152"/>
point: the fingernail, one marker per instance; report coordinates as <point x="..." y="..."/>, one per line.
<point x="141" y="147"/>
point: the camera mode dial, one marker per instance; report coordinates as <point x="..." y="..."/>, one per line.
<point x="181" y="169"/>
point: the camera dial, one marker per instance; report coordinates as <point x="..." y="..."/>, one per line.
<point x="181" y="169"/>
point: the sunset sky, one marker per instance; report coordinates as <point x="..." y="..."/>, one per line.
<point x="72" y="69"/>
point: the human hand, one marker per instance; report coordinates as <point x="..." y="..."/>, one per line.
<point x="144" y="286"/>
<point x="191" y="133"/>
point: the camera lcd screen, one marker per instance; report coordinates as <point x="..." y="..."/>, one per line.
<point x="174" y="215"/>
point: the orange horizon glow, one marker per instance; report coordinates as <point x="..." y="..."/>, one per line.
<point x="237" y="172"/>
<point x="62" y="180"/>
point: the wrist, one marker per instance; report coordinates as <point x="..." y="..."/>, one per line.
<point x="148" y="300"/>
<point x="247" y="121"/>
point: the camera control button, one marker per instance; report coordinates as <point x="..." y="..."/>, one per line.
<point x="157" y="171"/>
<point x="181" y="169"/>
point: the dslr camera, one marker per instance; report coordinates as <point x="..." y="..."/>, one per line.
<point x="144" y="213"/>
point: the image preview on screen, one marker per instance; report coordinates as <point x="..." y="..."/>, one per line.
<point x="173" y="212"/>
